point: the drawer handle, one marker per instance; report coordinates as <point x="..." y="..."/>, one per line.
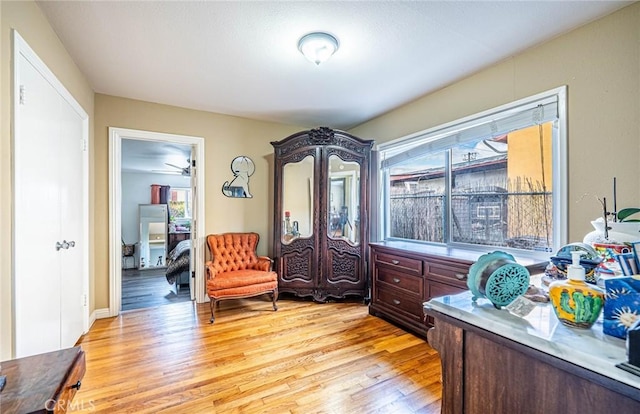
<point x="395" y="261"/>
<point x="461" y="276"/>
<point x="396" y="302"/>
<point x="396" y="280"/>
<point x="77" y="385"/>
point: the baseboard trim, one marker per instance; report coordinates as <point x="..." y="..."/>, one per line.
<point x="99" y="314"/>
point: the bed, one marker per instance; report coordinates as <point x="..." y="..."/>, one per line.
<point x="178" y="262"/>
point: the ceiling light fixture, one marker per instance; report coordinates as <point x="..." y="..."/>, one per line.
<point x="317" y="47"/>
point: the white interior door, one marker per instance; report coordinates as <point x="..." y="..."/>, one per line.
<point x="69" y="135"/>
<point x="49" y="209"/>
<point x="37" y="223"/>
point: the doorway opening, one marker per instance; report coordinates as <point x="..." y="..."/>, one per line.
<point x="153" y="210"/>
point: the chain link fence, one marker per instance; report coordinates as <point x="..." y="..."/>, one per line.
<point x="518" y="219"/>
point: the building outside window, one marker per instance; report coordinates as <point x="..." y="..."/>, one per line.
<point x="495" y="179"/>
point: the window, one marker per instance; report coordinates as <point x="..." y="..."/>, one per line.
<point x="180" y="203"/>
<point x="495" y="179"/>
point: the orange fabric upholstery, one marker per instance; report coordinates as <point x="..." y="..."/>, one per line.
<point x="235" y="271"/>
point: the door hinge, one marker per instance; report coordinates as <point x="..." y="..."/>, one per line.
<point x="21" y="95"/>
<point x="193" y="163"/>
<point x="84" y="300"/>
<point x="83" y="144"/>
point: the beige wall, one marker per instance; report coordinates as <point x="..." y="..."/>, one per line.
<point x="600" y="63"/>
<point x="225" y="138"/>
<point x="27" y="19"/>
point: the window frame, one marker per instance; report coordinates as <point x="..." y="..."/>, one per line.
<point x="188" y="191"/>
<point x="442" y="133"/>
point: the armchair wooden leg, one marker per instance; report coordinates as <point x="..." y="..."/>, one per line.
<point x="212" y="304"/>
<point x="275" y="298"/>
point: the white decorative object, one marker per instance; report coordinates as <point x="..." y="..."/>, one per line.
<point x="619" y="232"/>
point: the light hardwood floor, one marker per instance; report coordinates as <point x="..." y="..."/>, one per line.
<point x="305" y="358"/>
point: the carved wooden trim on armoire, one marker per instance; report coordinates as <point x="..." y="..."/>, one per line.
<point x="321" y="228"/>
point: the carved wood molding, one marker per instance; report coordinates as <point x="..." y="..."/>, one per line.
<point x="324" y="137"/>
<point x="321" y="135"/>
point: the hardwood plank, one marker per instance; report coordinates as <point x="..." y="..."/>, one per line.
<point x="149" y="288"/>
<point x="305" y="358"/>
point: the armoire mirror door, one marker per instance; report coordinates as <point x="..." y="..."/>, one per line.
<point x="344" y="200"/>
<point x="297" y="238"/>
<point x="321" y="198"/>
<point x="297" y="199"/>
<point x="344" y="270"/>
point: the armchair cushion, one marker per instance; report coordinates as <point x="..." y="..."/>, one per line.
<point x="239" y="278"/>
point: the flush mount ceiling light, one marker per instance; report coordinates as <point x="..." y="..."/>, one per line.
<point x="317" y="47"/>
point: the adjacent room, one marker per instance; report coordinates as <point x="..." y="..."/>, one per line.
<point x="156" y="215"/>
<point x="328" y="207"/>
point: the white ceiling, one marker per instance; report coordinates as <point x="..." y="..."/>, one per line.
<point x="241" y="57"/>
<point x="153" y="157"/>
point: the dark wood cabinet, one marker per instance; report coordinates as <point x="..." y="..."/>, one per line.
<point x="321" y="180"/>
<point x="483" y="372"/>
<point x="177" y="237"/>
<point x="403" y="280"/>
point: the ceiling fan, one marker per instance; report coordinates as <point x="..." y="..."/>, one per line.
<point x="186" y="171"/>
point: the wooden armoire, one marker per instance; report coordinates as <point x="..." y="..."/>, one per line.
<point x="321" y="214"/>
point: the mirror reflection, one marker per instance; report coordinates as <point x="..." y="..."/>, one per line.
<point x="297" y="190"/>
<point x="153" y="235"/>
<point x="344" y="200"/>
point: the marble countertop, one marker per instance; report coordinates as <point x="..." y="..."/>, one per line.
<point x="541" y="330"/>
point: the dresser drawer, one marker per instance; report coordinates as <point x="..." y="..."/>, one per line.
<point x="437" y="289"/>
<point x="408" y="283"/>
<point x="454" y="273"/>
<point x="405" y="264"/>
<point x="393" y="299"/>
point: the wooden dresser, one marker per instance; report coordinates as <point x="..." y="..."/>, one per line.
<point x="44" y="383"/>
<point x="402" y="280"/>
<point x="405" y="275"/>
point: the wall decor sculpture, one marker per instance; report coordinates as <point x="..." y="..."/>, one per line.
<point x="242" y="168"/>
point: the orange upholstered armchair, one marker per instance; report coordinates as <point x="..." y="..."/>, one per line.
<point x="235" y="271"/>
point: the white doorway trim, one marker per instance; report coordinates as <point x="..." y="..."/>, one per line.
<point x="116" y="135"/>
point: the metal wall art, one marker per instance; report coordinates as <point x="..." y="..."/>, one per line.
<point x="242" y="168"/>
